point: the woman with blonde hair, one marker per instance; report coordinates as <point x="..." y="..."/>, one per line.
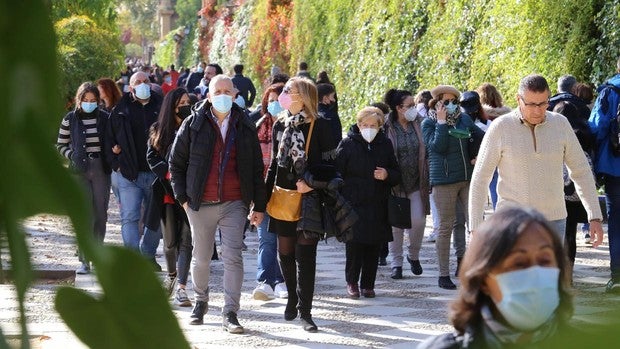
<point x="367" y="163"/>
<point x="302" y="143"/>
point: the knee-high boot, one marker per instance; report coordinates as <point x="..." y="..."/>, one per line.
<point x="289" y="272"/>
<point x="306" y="261"/>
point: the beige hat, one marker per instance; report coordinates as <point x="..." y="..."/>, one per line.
<point x="441" y="89"/>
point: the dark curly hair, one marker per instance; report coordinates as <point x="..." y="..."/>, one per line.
<point x="394" y="98"/>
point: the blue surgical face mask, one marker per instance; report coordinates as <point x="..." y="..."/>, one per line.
<point x="88" y="107"/>
<point x="222" y="103"/>
<point x="143" y="91"/>
<point x="274" y="108"/>
<point x="529" y="296"/>
<point x="451" y="108"/>
<point x="200" y="70"/>
<point x="240" y="101"/>
<point x="168" y="79"/>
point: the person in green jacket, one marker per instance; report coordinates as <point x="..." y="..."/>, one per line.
<point x="449" y="134"/>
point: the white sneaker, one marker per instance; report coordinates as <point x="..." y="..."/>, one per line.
<point x="263" y="292"/>
<point x="280" y="290"/>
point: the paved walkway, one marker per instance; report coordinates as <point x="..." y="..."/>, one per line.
<point x="403" y="313"/>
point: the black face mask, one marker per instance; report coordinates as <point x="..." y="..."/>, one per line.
<point x="184" y="111"/>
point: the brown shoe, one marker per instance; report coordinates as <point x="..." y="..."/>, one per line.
<point x="353" y="290"/>
<point x="368" y="293"/>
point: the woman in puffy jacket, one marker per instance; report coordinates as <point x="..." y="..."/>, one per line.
<point x="366" y="161"/>
<point x="447" y="134"/>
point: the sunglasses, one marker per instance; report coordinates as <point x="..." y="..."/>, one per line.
<point x="287" y="90"/>
<point x="453" y="101"/>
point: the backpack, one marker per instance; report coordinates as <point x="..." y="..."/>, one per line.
<point x="614" y="126"/>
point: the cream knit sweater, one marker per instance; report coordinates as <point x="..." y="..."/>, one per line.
<point x="530" y="167"/>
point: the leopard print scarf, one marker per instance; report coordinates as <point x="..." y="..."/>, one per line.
<point x="451" y="119"/>
<point x="291" y="149"/>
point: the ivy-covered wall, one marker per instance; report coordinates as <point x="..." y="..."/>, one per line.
<point x="369" y="46"/>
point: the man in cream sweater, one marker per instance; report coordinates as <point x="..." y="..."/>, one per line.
<point x="529" y="147"/>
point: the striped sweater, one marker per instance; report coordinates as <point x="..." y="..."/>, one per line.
<point x="93" y="141"/>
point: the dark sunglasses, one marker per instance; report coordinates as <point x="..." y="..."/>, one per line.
<point x="454" y="101"/>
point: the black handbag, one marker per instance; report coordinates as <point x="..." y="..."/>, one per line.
<point x="399" y="211"/>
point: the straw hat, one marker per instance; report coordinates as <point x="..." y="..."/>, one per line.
<point x="441" y="89"/>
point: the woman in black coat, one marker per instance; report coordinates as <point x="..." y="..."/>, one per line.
<point x="162" y="207"/>
<point x="290" y="163"/>
<point x="369" y="168"/>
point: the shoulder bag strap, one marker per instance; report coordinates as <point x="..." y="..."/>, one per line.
<point x="309" y="137"/>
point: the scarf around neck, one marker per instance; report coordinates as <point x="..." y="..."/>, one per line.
<point x="451" y="119"/>
<point x="291" y="149"/>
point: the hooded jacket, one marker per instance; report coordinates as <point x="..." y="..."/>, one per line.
<point x="604" y="111"/>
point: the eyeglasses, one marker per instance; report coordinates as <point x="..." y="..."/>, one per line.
<point x="544" y="104"/>
<point x="453" y="101"/>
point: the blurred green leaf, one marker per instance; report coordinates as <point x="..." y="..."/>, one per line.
<point x="132" y="313"/>
<point x="35" y="181"/>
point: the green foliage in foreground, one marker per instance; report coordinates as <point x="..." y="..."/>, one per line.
<point x="133" y="311"/>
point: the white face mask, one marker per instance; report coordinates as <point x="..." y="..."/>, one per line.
<point x="411" y="114"/>
<point x="529" y="296"/>
<point x="369" y="134"/>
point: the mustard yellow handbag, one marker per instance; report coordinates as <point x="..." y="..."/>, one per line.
<point x="285" y="204"/>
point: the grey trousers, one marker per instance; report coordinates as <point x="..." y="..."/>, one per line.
<point x="415" y="234"/>
<point x="446" y="197"/>
<point x="230" y="218"/>
<point x="97" y="186"/>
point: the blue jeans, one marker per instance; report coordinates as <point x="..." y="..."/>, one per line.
<point x="493" y="189"/>
<point x="612" y="194"/>
<point x="150" y="242"/>
<point x="560" y="228"/>
<point x="134" y="196"/>
<point x="268" y="269"/>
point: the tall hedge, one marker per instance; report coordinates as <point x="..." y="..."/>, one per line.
<point x="86" y="52"/>
<point x="369" y="46"/>
<point x="365" y="46"/>
<point x="607" y="48"/>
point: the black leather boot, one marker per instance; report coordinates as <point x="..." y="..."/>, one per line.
<point x="306" y="261"/>
<point x="289" y="272"/>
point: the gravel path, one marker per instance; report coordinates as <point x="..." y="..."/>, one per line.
<point x="343" y="322"/>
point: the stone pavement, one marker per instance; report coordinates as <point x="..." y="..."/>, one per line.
<point x="403" y="313"/>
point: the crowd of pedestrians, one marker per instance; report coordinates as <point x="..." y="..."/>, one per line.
<point x="190" y="161"/>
